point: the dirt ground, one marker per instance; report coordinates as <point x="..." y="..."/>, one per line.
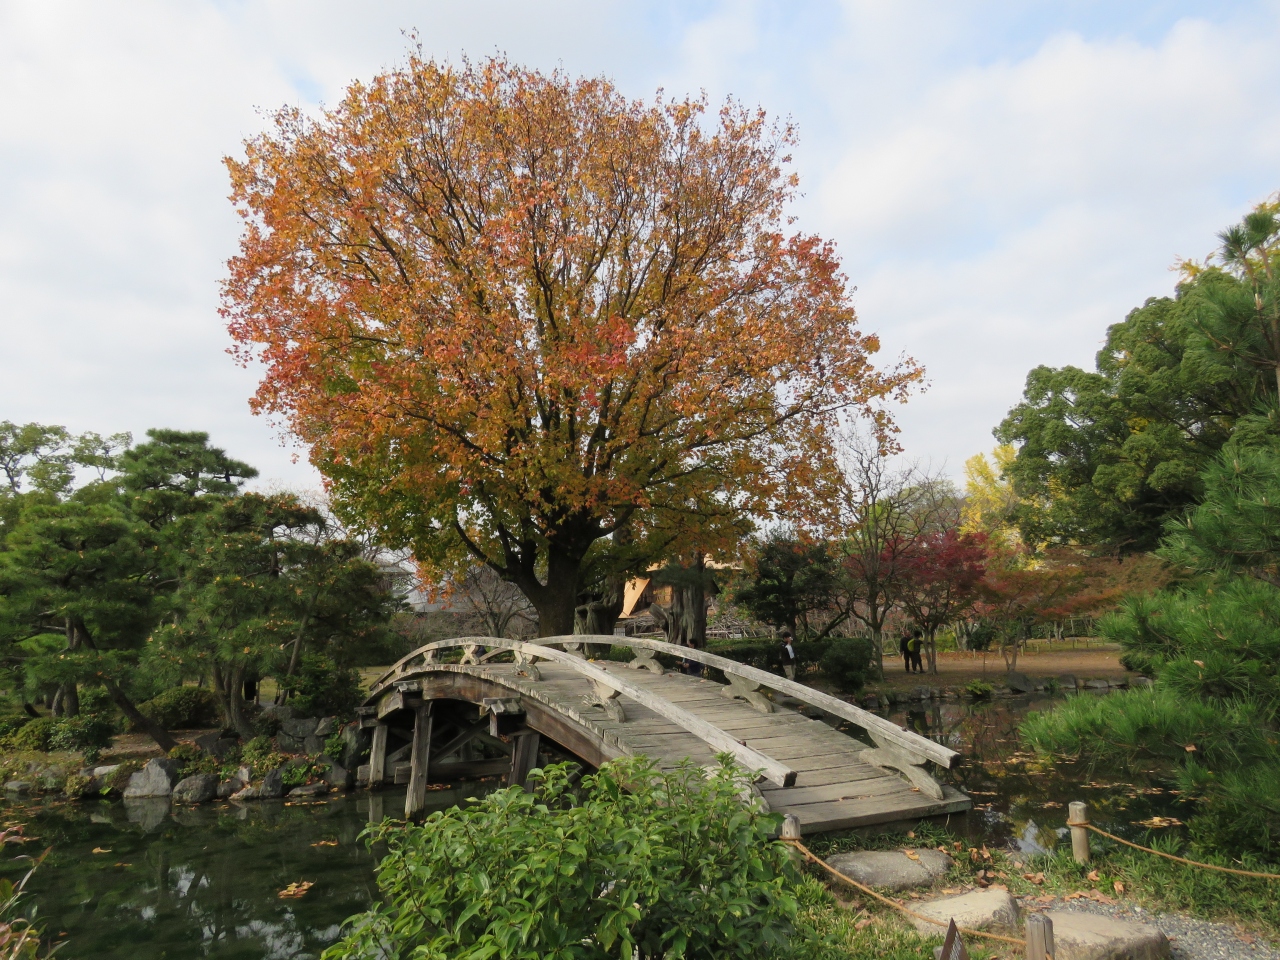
<point x="955" y="669"/>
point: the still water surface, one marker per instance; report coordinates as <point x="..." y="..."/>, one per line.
<point x="204" y="882"/>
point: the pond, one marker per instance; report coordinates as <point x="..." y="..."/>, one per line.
<point x="146" y="882"/>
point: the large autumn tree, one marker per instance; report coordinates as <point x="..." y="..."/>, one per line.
<point x="521" y="319"/>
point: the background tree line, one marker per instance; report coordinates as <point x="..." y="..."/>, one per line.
<point x="130" y="569"/>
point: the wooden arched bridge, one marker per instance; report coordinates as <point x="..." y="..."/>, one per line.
<point x="437" y="722"/>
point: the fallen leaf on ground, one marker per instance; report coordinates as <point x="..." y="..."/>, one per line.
<point x="101" y="849"/>
<point x="911" y="834"/>
<point x="863" y="923"/>
<point x="911" y="854"/>
<point x="1047" y="898"/>
<point x="1248" y="938"/>
<point x="1036" y="878"/>
<point x="1119" y="888"/>
<point x="295" y="890"/>
<point x="325" y="843"/>
<point x="1092" y="875"/>
<point x="1099" y="897"/>
<point x="1160" y="822"/>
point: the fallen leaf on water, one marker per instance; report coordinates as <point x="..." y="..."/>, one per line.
<point x="124" y="864"/>
<point x="1119" y="888"/>
<point x="295" y="890"/>
<point x="325" y="843"/>
<point x="101" y="849"/>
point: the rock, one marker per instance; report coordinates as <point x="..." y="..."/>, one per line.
<point x="310" y="790"/>
<point x="950" y="693"/>
<point x="979" y="910"/>
<point x="199" y="788"/>
<point x="327" y="727"/>
<point x="272" y="785"/>
<point x="1141" y="682"/>
<point x="281" y="711"/>
<point x="919" y="693"/>
<point x="871" y="702"/>
<point x="17" y="786"/>
<point x="290" y="744"/>
<point x="355" y="745"/>
<point x="1097" y="685"/>
<point x="1068" y="681"/>
<point x="244" y="773"/>
<point x="313" y="745"/>
<point x="1019" y="682"/>
<point x="1088" y="936"/>
<point x="362" y="773"/>
<point x="102" y="772"/>
<point x="336" y="775"/>
<point x="156" y="779"/>
<point x="147" y="812"/>
<point x="216" y="745"/>
<point x="300" y="728"/>
<point x="893" y="869"/>
<point x="230" y="787"/>
<point x="246" y="793"/>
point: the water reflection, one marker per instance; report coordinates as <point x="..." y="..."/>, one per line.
<point x="1020" y="801"/>
<point x="150" y="882"/>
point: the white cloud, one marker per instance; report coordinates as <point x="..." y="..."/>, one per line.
<point x="1001" y="187"/>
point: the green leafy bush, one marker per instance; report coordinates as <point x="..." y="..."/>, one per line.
<point x="634" y="863"/>
<point x="191" y="760"/>
<point x="184" y="708"/>
<point x="83" y="732"/>
<point x="13" y="722"/>
<point x="321" y="688"/>
<point x="261" y="756"/>
<point x="979" y="689"/>
<point x="765" y="653"/>
<point x="847" y="662"/>
<point x="34" y="735"/>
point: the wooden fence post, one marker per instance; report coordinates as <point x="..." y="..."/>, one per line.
<point x="378" y="756"/>
<point x="790" y="827"/>
<point x="1078" y="813"/>
<point x="1039" y="937"/>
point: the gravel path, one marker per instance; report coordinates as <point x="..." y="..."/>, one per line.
<point x="1190" y="938"/>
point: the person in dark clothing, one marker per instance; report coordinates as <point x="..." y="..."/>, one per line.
<point x="788" y="654"/>
<point x="904" y="647"/>
<point x="917" y="647"/>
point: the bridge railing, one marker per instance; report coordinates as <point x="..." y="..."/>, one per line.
<point x="607" y="686"/>
<point x="898" y="748"/>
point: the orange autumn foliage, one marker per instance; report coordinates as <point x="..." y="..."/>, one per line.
<point x="520" y="318"/>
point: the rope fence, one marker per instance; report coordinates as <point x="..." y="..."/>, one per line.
<point x="1078" y="821"/>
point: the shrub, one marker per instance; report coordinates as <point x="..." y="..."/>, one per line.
<point x="765" y="653"/>
<point x="321" y="688"/>
<point x="34" y="735"/>
<point x="12" y="723"/>
<point x="261" y="756"/>
<point x="635" y="862"/>
<point x="979" y="689"/>
<point x="847" y="663"/>
<point x="83" y="732"/>
<point x="184" y="708"/>
<point x="191" y="760"/>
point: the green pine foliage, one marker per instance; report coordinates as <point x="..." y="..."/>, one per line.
<point x="633" y="863"/>
<point x="1213" y="645"/>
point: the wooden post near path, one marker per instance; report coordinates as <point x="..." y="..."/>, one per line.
<point x="1078" y="813"/>
<point x="420" y="759"/>
<point x="378" y="756"/>
<point x="1039" y="937"/>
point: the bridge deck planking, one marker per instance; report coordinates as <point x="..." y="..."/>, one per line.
<point x="834" y="789"/>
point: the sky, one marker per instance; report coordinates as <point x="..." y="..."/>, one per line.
<point x="1002" y="180"/>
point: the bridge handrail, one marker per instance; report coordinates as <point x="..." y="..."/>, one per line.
<point x="774" y="771"/>
<point x="911" y="743"/>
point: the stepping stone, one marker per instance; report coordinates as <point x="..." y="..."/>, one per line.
<point x="1019" y="682"/>
<point x="979" y="910"/>
<point x="892" y="869"/>
<point x="1088" y="936"/>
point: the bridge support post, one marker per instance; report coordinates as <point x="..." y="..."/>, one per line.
<point x="378" y="756"/>
<point x="524" y="757"/>
<point x="420" y="759"/>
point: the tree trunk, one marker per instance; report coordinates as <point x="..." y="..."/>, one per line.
<point x="236" y="717"/>
<point x="144" y="723"/>
<point x="694" y="614"/>
<point x="932" y="649"/>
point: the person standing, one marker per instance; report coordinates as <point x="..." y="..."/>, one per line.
<point x="917" y="648"/>
<point x="788" y="654"/>
<point x="904" y="647"/>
